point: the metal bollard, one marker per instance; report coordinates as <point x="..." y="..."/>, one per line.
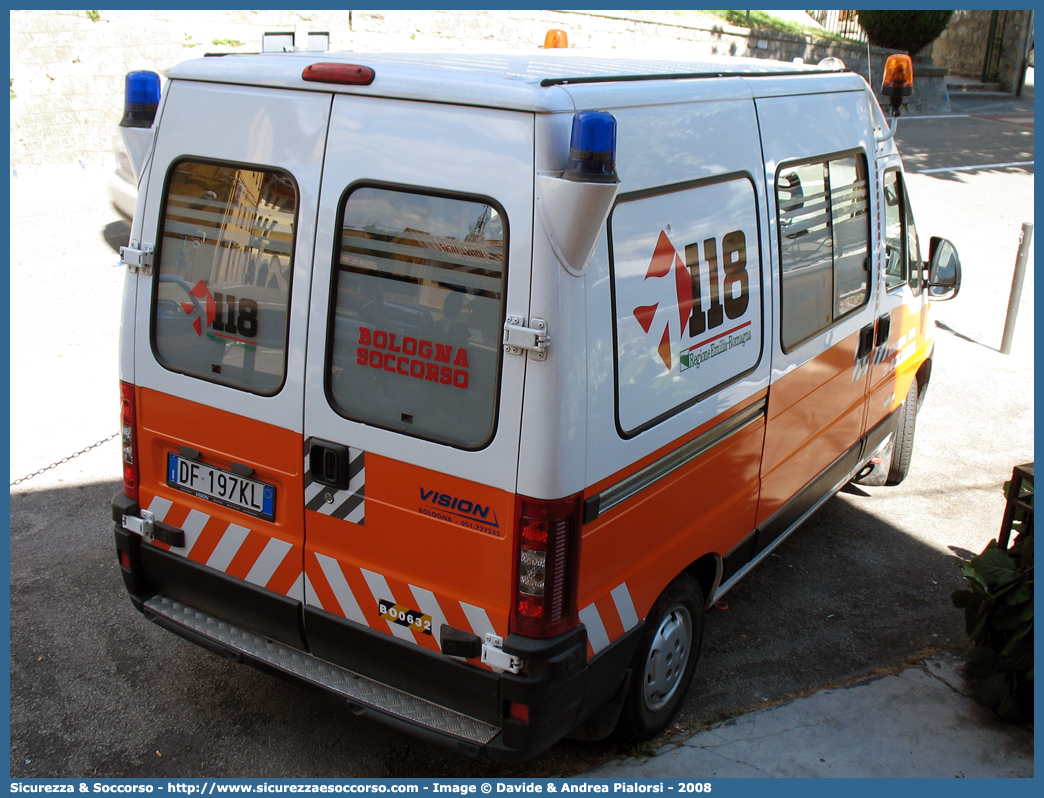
<point x="1016" y="287"/>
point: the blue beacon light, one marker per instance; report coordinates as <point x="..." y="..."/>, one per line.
<point x="592" y="148"/>
<point x="141" y="98"/>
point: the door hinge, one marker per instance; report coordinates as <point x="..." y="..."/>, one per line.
<point x="137" y="256"/>
<point x="520" y="338"/>
<point x="493" y="655"/>
<point x="144" y="526"/>
<point x="150" y="529"/>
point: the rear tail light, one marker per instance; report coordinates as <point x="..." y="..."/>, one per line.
<point x="519" y="712"/>
<point x="547" y="567"/>
<point x="130" y="449"/>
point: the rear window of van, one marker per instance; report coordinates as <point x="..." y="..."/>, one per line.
<point x="223" y="282"/>
<point x="824" y="243"/>
<point x="418" y="302"/>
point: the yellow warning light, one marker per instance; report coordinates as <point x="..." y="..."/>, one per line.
<point x="898" y="73"/>
<point x="898" y="80"/>
<point x="555" y="38"/>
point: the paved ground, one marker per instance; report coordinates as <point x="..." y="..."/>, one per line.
<point x="921" y="722"/>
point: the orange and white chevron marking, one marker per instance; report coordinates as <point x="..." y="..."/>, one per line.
<point x="236" y="550"/>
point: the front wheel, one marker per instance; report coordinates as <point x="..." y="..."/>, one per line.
<point x="665" y="660"/>
<point x="903" y="438"/>
<point x="896" y="455"/>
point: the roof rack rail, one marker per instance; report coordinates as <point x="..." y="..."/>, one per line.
<point x="676" y="76"/>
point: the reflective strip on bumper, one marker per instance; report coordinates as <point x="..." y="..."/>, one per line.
<point x="598" y="637"/>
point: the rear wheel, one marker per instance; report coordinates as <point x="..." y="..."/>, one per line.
<point x="663" y="665"/>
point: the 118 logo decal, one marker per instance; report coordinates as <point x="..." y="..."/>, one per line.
<point x="728" y="294"/>
<point x="222" y="314"/>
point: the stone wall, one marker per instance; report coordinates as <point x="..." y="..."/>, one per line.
<point x="1011" y="69"/>
<point x="962" y="46"/>
<point x="68" y="68"/>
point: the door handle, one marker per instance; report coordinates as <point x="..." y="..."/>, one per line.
<point x="328" y="463"/>
<point x="866" y="341"/>
<point x="884" y="327"/>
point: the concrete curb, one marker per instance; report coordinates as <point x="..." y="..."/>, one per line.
<point x="920" y="723"/>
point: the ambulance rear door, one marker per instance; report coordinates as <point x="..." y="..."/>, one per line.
<point x="412" y="410"/>
<point x="219" y="327"/>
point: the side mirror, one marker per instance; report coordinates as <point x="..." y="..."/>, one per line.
<point x="944" y="270"/>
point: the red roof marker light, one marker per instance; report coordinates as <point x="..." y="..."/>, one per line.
<point x="348" y="74"/>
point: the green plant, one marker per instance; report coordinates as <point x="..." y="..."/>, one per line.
<point x="765" y="20"/>
<point x="643" y="750"/>
<point x="758" y="19"/>
<point x="998" y="615"/>
<point x="189" y="43"/>
<point x="93" y="16"/>
<point x="910" y="31"/>
<point x="227" y="42"/>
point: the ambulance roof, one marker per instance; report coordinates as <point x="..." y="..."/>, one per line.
<point x="542" y="81"/>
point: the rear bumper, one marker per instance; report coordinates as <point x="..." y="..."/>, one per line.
<point x="422" y="692"/>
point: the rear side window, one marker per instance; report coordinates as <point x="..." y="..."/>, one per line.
<point x="687" y="296"/>
<point x="222" y="287"/>
<point x="824" y="243"/>
<point x="417" y="314"/>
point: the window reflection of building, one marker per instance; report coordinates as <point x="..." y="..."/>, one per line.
<point x="471" y="256"/>
<point x="242" y="216"/>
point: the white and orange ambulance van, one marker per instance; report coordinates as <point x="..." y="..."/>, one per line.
<point x="460" y="385"/>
